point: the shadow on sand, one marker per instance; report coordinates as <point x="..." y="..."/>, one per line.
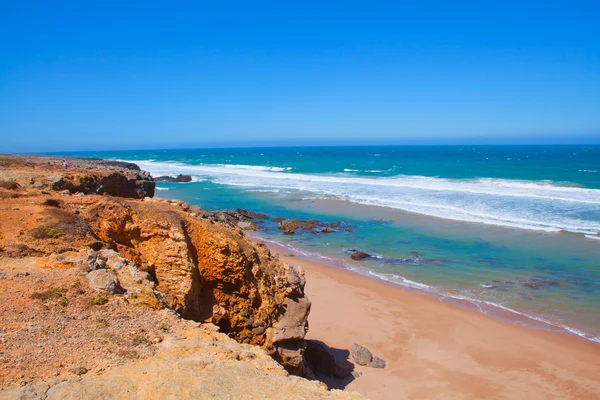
<point x="329" y="365"/>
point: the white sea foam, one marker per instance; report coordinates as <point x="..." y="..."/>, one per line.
<point x="161" y="188"/>
<point x="538" y="205"/>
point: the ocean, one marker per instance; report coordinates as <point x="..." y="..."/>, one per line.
<point x="509" y="231"/>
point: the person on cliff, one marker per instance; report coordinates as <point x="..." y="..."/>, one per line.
<point x="65" y="164"/>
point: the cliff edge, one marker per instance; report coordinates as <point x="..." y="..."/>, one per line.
<point x="81" y="241"/>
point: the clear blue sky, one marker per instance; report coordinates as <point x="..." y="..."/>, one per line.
<point x="78" y="75"/>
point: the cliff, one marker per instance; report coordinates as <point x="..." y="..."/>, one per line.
<point x="95" y="225"/>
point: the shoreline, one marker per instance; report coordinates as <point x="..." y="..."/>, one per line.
<point x="441" y="350"/>
<point x="487" y="309"/>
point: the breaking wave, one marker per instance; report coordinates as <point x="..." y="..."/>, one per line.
<point x="537" y="205"/>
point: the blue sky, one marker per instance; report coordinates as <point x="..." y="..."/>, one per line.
<point x="105" y="75"/>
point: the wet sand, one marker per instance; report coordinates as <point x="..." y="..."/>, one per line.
<point x="436" y="350"/>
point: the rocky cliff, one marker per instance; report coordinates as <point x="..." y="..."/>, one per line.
<point x="90" y="218"/>
<point x="81" y="175"/>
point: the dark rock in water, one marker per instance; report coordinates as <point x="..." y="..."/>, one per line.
<point x="359" y="255"/>
<point x="178" y="178"/>
<point x="377" y="363"/>
<point x="336" y="224"/>
<point x="290" y="226"/>
<point x="347" y="229"/>
<point x="327" y="230"/>
<point x="277" y="219"/>
<point x="251" y="214"/>
<point x="361" y="355"/>
<point x="320" y="359"/>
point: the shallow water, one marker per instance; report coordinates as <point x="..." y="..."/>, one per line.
<point x="500" y="228"/>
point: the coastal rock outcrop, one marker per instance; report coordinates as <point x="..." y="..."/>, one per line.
<point x="83" y="175"/>
<point x="179" y="178"/>
<point x="210" y="273"/>
<point x="114" y="184"/>
<point x="198" y="264"/>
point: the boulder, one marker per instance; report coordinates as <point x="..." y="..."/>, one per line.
<point x="359" y="255"/>
<point x="361" y="355"/>
<point x="105" y="280"/>
<point x="327" y="230"/>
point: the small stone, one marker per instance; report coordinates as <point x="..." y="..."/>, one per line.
<point x="258" y="331"/>
<point x="44" y="192"/>
<point x="377" y="363"/>
<point x="79" y="371"/>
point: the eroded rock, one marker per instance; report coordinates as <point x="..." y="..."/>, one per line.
<point x="209" y="273"/>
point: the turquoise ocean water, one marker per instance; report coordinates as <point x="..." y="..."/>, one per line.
<point x="511" y="231"/>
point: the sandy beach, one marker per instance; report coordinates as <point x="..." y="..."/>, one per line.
<point x="439" y="351"/>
